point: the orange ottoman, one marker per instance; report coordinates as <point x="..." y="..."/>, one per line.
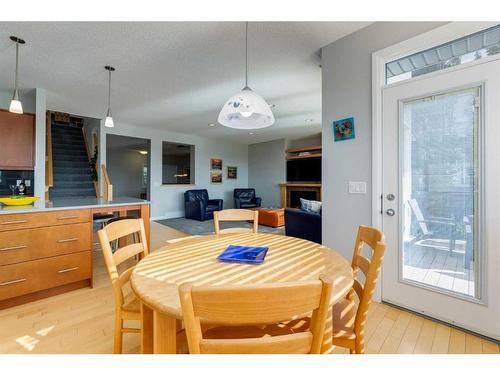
<point x="271" y="217"/>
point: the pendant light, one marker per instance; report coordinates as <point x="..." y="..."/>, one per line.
<point x="246" y="109"/>
<point x="109" y="119"/>
<point x="15" y="104"/>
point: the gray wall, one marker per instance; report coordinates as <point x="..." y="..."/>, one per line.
<point x="167" y="201"/>
<point x="347" y="85"/>
<point x="125" y="171"/>
<point x="313" y="140"/>
<point x="266" y="170"/>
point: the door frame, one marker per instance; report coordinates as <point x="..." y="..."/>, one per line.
<point x="432" y="38"/>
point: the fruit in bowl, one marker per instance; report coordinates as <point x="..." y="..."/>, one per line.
<point x="18" y="200"/>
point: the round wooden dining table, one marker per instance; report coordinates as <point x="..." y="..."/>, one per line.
<point x="156" y="278"/>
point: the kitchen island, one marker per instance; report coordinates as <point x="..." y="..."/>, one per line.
<point x="46" y="248"/>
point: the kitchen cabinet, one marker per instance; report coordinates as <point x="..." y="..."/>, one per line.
<point x="17" y="141"/>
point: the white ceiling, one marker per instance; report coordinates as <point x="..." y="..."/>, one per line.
<point x="175" y="75"/>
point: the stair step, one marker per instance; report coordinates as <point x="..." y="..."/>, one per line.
<point x="71" y="164"/>
<point x="73" y="185"/>
<point x="73" y="177"/>
<point x="63" y="156"/>
<point x="63" y="171"/>
<point x="64" y="147"/>
<point x="65" y="129"/>
<point x="62" y="139"/>
<point x="60" y="193"/>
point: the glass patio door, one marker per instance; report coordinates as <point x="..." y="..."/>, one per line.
<point x="440" y="201"/>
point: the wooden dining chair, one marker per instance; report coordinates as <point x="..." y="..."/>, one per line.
<point x="127" y="307"/>
<point x="349" y="315"/>
<point x="236" y="215"/>
<point x="240" y="314"/>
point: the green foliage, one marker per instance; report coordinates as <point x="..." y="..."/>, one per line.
<point x="93" y="165"/>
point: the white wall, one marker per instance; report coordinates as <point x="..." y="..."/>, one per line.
<point x="167" y="201"/>
<point x="347" y="92"/>
<point x="125" y="171"/>
<point x="266" y="170"/>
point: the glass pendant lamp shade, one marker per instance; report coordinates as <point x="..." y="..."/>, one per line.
<point x="246" y="110"/>
<point x="15" y="104"/>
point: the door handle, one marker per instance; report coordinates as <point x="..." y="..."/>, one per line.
<point x="390" y="212"/>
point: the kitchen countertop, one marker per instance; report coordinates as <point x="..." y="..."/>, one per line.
<point x="70" y="204"/>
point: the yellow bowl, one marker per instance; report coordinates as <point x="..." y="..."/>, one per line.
<point x="8" y="201"/>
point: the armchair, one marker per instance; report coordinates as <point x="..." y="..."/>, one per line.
<point x="245" y="198"/>
<point x="198" y="206"/>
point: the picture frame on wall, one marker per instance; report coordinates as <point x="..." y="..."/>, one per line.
<point x="216" y="164"/>
<point x="232" y="173"/>
<point x="343" y="129"/>
<point x="216" y="177"/>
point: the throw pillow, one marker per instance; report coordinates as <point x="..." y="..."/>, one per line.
<point x="310" y="206"/>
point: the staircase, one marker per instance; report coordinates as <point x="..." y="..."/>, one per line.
<point x="72" y="178"/>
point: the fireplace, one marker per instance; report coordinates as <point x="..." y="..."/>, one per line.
<point x="292" y="192"/>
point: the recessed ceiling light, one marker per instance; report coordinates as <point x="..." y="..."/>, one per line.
<point x="309" y="120"/>
<point x="251" y="133"/>
<point x="143" y="152"/>
<point x="211" y="125"/>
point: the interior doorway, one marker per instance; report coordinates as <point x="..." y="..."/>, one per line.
<point x="128" y="165"/>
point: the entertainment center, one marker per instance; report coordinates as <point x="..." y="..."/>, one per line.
<point x="303" y="175"/>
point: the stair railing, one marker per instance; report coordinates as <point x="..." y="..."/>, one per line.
<point x="49" y="171"/>
<point x="108" y="187"/>
<point x="96" y="182"/>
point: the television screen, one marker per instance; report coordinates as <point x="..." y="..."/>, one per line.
<point x="304" y="170"/>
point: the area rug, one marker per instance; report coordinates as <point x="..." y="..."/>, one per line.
<point x="195" y="227"/>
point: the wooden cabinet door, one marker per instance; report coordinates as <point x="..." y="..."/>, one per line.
<point x="17" y="141"/>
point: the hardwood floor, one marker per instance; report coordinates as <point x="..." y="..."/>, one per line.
<point x="82" y="322"/>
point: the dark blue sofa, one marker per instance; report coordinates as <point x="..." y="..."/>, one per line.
<point x="197" y="206"/>
<point x="303" y="224"/>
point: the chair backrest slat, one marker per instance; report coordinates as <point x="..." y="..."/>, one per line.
<point x="236" y="215"/>
<point x="256" y="305"/>
<point x="296" y="343"/>
<point x="122" y="228"/>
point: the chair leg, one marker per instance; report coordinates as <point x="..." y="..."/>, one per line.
<point x="359" y="345"/>
<point x="117" y="347"/>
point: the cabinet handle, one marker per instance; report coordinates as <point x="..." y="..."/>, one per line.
<point x="13" y="222"/>
<point x="68" y="240"/>
<point x="68" y="269"/>
<point x="67" y="217"/>
<point x="12" y="282"/>
<point x="13" y="248"/>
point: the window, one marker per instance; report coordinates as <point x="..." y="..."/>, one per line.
<point x="177" y="163"/>
<point x="457" y="52"/>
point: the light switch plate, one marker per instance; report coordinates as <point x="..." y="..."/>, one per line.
<point x="357" y="187"/>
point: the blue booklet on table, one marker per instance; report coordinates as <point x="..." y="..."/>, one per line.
<point x="243" y="254"/>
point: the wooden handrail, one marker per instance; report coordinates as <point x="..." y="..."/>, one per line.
<point x="96" y="183"/>
<point x="108" y="187"/>
<point x="49" y="171"/>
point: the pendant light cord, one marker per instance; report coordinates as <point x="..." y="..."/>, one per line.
<point x="109" y="91"/>
<point x="17" y="64"/>
<point x="246" y="54"/>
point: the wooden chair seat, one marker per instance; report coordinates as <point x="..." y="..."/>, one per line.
<point x="344" y="315"/>
<point x="132" y="304"/>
